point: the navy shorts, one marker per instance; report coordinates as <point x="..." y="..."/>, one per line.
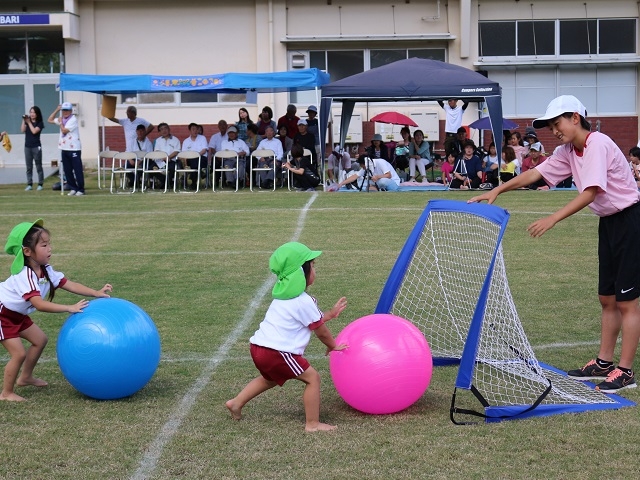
<point x="619" y="254"/>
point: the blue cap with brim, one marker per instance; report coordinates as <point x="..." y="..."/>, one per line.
<point x="286" y="263"/>
<point x="14" y="243"/>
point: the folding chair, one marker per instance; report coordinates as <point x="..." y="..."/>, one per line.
<point x="150" y="170"/>
<point x="223" y="155"/>
<point x="257" y="154"/>
<point x="105" y="164"/>
<point x="119" y="169"/>
<point x="184" y="169"/>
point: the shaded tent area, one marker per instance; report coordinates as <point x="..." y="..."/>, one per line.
<point x="248" y="83"/>
<point x="414" y="79"/>
<point x="305" y="79"/>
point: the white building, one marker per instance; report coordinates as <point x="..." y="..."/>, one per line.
<point x="535" y="49"/>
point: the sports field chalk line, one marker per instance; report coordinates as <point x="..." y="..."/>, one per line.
<point x="169" y="429"/>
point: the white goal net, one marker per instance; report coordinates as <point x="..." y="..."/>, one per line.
<point x="437" y="283"/>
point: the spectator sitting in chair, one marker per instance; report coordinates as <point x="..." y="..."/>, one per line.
<point x="142" y="144"/>
<point x="195" y="143"/>
<point x="468" y="170"/>
<point x="376" y="174"/>
<point x="241" y="148"/>
<point x="270" y="142"/>
<point x="377" y="149"/>
<point x="420" y="155"/>
<point x="170" y="145"/>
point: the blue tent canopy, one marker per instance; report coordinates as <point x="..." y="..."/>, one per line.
<point x="305" y="79"/>
<point x="413" y="79"/>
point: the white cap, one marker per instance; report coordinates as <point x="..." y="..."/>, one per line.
<point x="302" y="121"/>
<point x="558" y="106"/>
<point x="536" y="146"/>
<point x="66" y="106"/>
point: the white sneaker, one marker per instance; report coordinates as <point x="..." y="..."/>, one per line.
<point x="71" y="193"/>
<point x="79" y="193"/>
<point x="29" y="187"/>
<point x="39" y="187"/>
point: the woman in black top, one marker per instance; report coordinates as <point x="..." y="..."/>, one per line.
<point x="32" y="126"/>
<point x="305" y="177"/>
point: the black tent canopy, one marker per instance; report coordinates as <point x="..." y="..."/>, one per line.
<point x="413" y="79"/>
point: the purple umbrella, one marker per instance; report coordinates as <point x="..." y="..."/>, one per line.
<point x="483" y="124"/>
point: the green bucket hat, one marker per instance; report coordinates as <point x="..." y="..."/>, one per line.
<point x="286" y="262"/>
<point x="14" y="243"/>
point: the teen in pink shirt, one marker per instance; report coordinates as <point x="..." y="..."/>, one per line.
<point x="606" y="185"/>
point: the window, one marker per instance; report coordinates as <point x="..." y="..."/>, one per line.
<point x="44" y="51"/>
<point x="617" y="36"/>
<point x="575" y="37"/>
<point x="497" y="39"/>
<point x="578" y="37"/>
<point x="603" y="90"/>
<point x="536" y="38"/>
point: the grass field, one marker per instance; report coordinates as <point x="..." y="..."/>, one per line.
<point x="198" y="264"/>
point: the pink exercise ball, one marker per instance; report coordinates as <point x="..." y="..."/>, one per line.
<point x="387" y="366"/>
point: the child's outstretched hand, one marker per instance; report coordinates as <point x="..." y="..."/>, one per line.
<point x="489" y="196"/>
<point x="102" y="293"/>
<point x="337" y="348"/>
<point x="77" y="308"/>
<point x="337" y="309"/>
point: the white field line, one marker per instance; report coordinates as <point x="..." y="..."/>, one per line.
<point x="150" y="460"/>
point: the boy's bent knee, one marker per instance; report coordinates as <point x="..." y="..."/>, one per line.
<point x="310" y="376"/>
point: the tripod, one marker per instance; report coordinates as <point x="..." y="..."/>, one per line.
<point x="366" y="178"/>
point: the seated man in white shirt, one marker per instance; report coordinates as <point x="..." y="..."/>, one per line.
<point x="374" y="174"/>
<point x="141" y="144"/>
<point x="215" y="144"/>
<point x="241" y="148"/>
<point x="195" y="143"/>
<point x="170" y="145"/>
<point x="270" y="142"/>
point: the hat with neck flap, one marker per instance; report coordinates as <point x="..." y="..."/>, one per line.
<point x="14" y="243"/>
<point x="286" y="263"/>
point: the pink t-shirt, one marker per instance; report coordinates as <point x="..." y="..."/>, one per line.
<point x="600" y="164"/>
<point x="447" y="170"/>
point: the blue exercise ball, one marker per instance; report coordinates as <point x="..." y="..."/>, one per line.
<point x="110" y="350"/>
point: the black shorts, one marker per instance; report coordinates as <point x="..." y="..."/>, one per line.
<point x="619" y="254"/>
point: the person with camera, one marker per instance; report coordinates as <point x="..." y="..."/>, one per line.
<point x="374" y="174"/>
<point x="70" y="147"/>
<point x="32" y="125"/>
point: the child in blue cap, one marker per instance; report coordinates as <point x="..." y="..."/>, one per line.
<point x="31" y="287"/>
<point x="278" y="345"/>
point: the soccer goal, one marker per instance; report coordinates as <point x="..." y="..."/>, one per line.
<point x="450" y="281"/>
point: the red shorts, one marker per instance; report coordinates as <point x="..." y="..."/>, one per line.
<point x="12" y="323"/>
<point x="278" y="366"/>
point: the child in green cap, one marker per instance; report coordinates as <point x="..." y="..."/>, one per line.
<point x="32" y="280"/>
<point x="278" y="345"/>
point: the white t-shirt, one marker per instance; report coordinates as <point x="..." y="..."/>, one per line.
<point x="286" y="325"/>
<point x="197" y="145"/>
<point x="130" y="131"/>
<point x="142" y="146"/>
<point x="453" y="118"/>
<point x="168" y="145"/>
<point x="70" y="141"/>
<point x="381" y="167"/>
<point x="16" y="290"/>
<point x="236" y="146"/>
<point x="273" y="144"/>
<point x="216" y="141"/>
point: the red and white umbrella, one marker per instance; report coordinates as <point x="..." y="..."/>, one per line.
<point x="394" y="118"/>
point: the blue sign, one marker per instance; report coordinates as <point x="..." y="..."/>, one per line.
<point x="24" y="19"/>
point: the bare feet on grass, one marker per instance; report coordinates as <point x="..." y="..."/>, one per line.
<point x="36" y="382"/>
<point x="319" y="427"/>
<point x="12" y="397"/>
<point x="236" y="413"/>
